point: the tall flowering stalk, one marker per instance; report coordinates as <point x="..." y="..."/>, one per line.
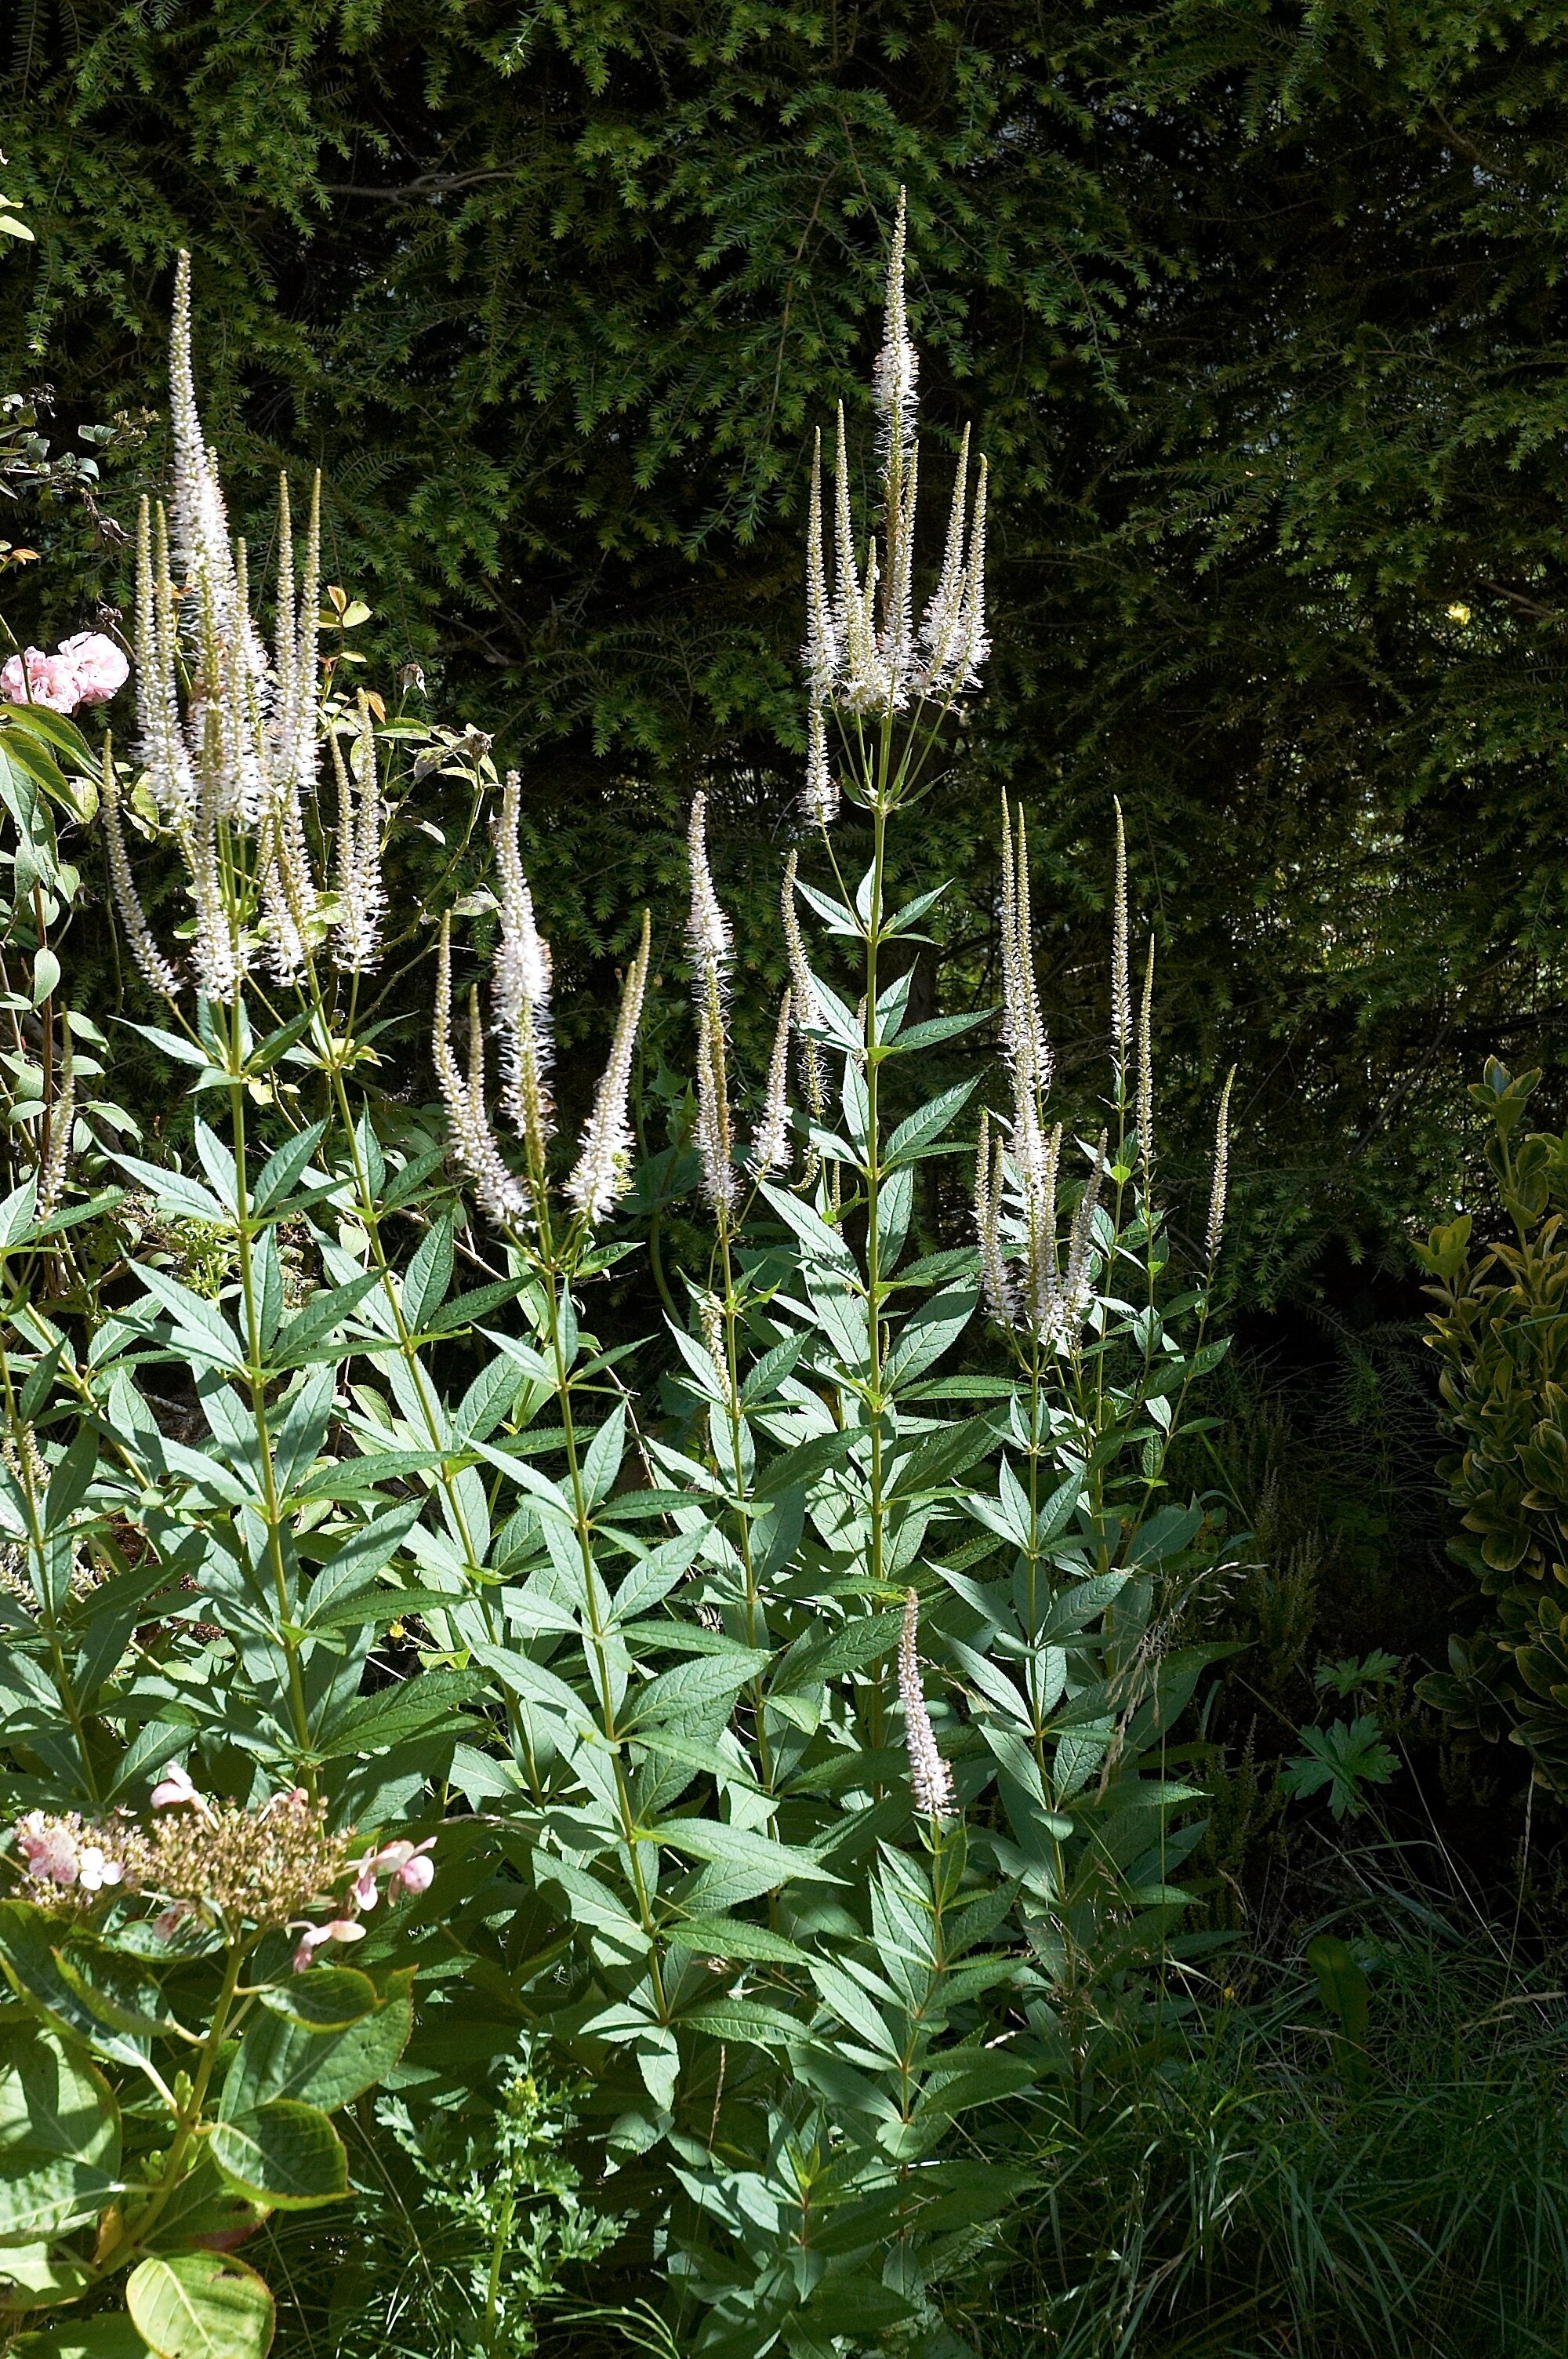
<point x="713" y="948"/>
<point x="602" y="1173"/>
<point x="230" y="734"/>
<point x="930" y="1779"/>
<point x="863" y="654"/>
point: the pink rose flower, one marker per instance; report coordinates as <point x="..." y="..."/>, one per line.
<point x="49" y="680"/>
<point x="102" y="668"/>
<point x="87" y="670"/>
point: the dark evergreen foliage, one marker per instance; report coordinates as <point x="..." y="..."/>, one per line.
<point x="1256" y="308"/>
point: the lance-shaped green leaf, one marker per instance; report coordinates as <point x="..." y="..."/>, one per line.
<point x="372" y="1722"/>
<point x="742" y="1847"/>
<point x="691" y="1687"/>
<point x="429" y="1274"/>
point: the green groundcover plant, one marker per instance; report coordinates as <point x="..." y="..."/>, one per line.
<point x="765" y="1733"/>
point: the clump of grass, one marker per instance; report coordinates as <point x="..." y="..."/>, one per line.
<point x="1234" y="2194"/>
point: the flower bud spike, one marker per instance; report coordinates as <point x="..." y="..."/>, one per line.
<point x="302" y="725"/>
<point x="521" y="986"/>
<point x="162" y="745"/>
<point x="894" y="376"/>
<point x="930" y="1779"/>
<point x="1121" y="993"/>
<point x="769" y="1148"/>
<point x="821" y="796"/>
<point x="994" y="1274"/>
<point x="1221" y="1175"/>
<point x="848" y="599"/>
<point x="217" y="953"/>
<point x="973" y="646"/>
<point x="603" y="1171"/>
<point x="939" y="626"/>
<point x="1045" y="1305"/>
<point x="1146" y="1068"/>
<point x="707" y="927"/>
<point x="154" y="967"/>
<point x="806" y="1008"/>
<point x="1075" y="1282"/>
<point x="60" y="1119"/>
<point x="708" y="935"/>
<point x="820" y="653"/>
<point x="472" y="1139"/>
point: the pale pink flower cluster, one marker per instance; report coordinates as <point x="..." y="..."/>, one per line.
<point x="56" y="1854"/>
<point x="406" y="1864"/>
<point x="407" y="1869"/>
<point x="87" y="670"/>
<point x="341" y="1929"/>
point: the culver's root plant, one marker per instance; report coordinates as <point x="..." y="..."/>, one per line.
<point x="795" y="1692"/>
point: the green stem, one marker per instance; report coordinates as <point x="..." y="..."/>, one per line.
<point x="256" y="1377"/>
<point x="583" y="1525"/>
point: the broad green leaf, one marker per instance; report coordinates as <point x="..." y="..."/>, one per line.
<point x="822" y="1244"/>
<point x="691" y="1687"/>
<point x="325" y="2069"/>
<point x="46" y="2196"/>
<point x="323" y="1314"/>
<point x="746" y="2019"/>
<point x="53" y="2102"/>
<point x="34" y="2277"/>
<point x="203" y="2205"/>
<point x="201" y="1328"/>
<point x="805" y="1463"/>
<point x="328" y="1998"/>
<point x="27" y="1938"/>
<point x="825" y="1657"/>
<point x="933" y="1329"/>
<point x="201" y="2306"/>
<point x="17" y="1211"/>
<point x="944" y="1455"/>
<point x="284" y="1165"/>
<point x="109" y="2335"/>
<point x="927" y="1124"/>
<point x="285" y="2153"/>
